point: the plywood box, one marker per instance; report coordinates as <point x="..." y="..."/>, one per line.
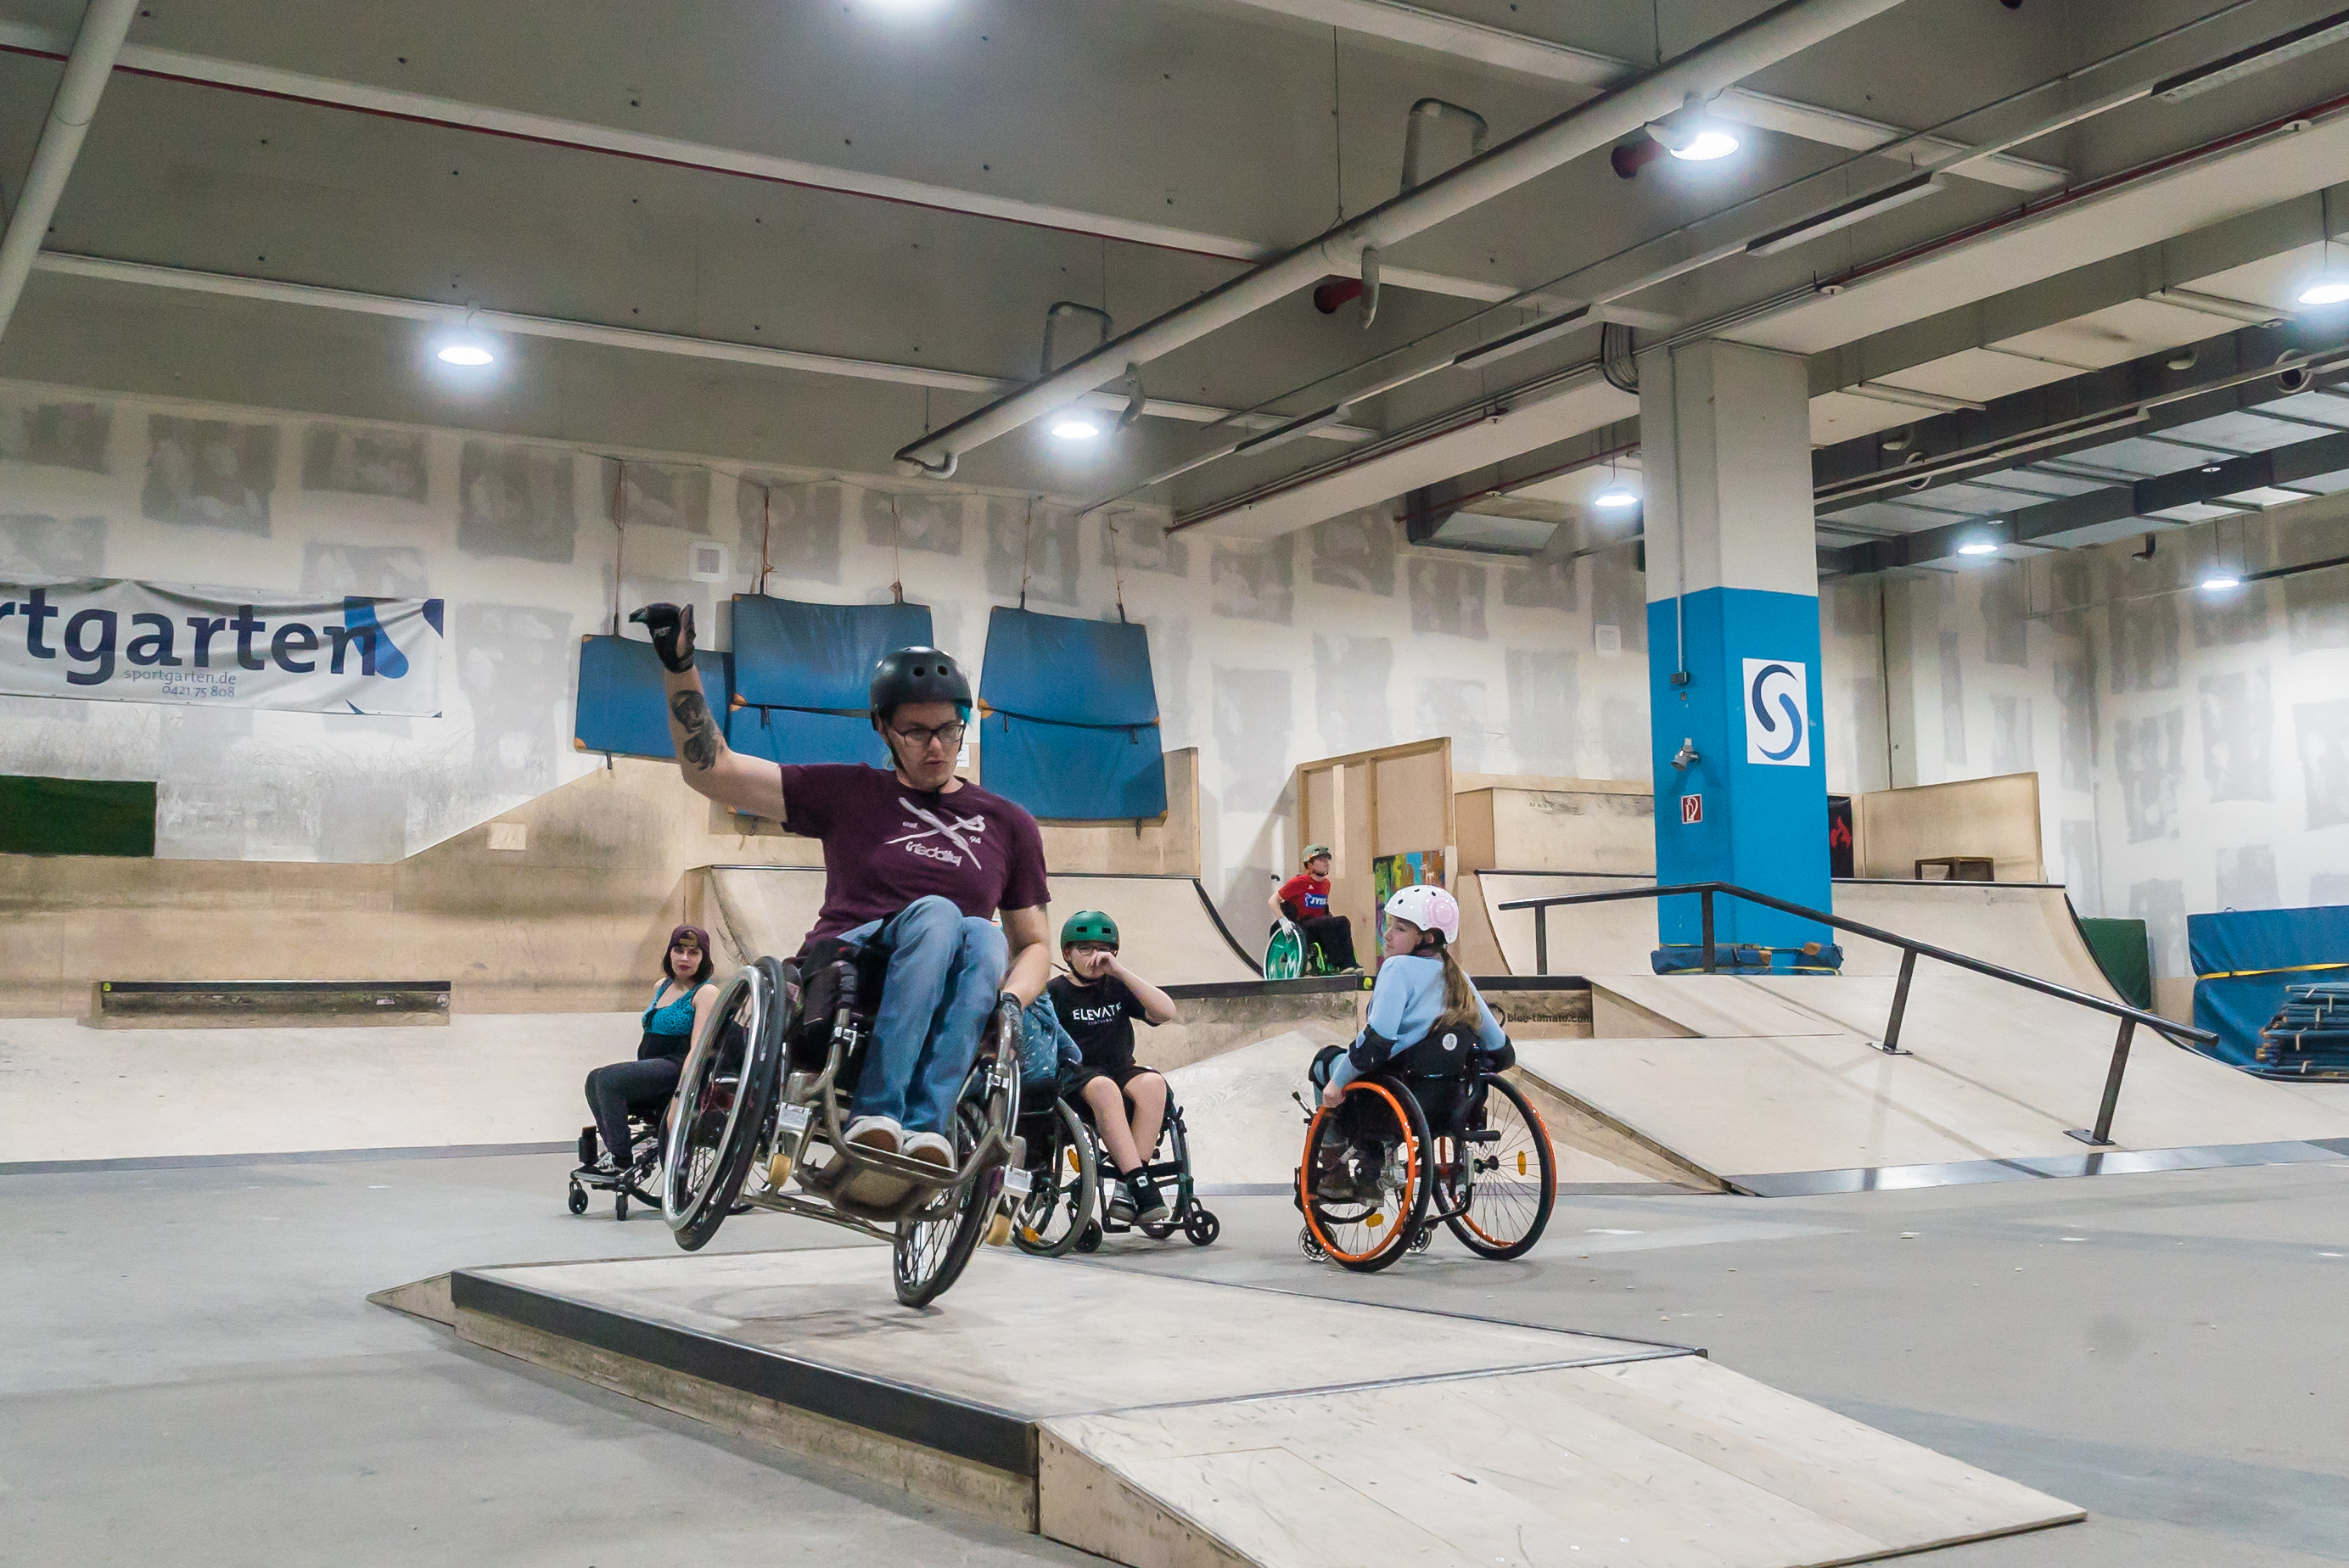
<point x="1996" y="819"/>
<point x="1565" y="825"/>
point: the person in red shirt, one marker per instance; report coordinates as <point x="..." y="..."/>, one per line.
<point x="1304" y="902"/>
<point x="915" y="862"/>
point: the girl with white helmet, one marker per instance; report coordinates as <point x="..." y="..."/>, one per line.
<point x="1421" y="990"/>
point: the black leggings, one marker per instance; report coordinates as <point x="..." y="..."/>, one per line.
<point x="643" y="1086"/>
<point x="1334" y="936"/>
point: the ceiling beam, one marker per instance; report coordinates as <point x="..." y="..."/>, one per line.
<point x="1487" y="45"/>
<point x="433" y="312"/>
<point x="455" y="114"/>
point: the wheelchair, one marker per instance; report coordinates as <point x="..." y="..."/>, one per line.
<point x="762" y="1105"/>
<point x="1063" y="1201"/>
<point x="645" y="1140"/>
<point x="1288" y="957"/>
<point x="1169" y="1168"/>
<point x="1435" y="1135"/>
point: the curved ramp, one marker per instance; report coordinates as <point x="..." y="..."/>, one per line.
<point x="1753" y="1080"/>
<point x="1168" y="929"/>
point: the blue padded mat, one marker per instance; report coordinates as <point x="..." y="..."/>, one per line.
<point x="622" y="707"/>
<point x="793" y="655"/>
<point x="1071" y="728"/>
<point x="791" y="735"/>
<point x="2244" y="960"/>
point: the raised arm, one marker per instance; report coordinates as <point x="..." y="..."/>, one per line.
<point x="1026" y="932"/>
<point x="713" y="769"/>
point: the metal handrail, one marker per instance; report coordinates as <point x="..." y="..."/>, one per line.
<point x="2098" y="1136"/>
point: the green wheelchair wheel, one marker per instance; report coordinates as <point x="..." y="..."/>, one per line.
<point x="1284" y="956"/>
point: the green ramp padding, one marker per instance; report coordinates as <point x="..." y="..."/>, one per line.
<point x="2124" y="956"/>
<point x="75" y="816"/>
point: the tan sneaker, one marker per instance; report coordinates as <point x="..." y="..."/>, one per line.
<point x="931" y="1147"/>
<point x="878" y="1134"/>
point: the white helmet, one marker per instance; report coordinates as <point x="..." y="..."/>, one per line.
<point x="1428" y="907"/>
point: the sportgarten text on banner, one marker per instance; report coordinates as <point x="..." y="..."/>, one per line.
<point x="109" y="639"/>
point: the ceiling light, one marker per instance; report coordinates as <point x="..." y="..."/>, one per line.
<point x="1978" y="547"/>
<point x="2331" y="289"/>
<point x="470" y="355"/>
<point x="1705" y="144"/>
<point x="2303" y="40"/>
<point x="2219" y="582"/>
<point x="1076" y="427"/>
<point x="1617" y="496"/>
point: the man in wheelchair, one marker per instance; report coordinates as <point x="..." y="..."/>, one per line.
<point x="1426" y="1022"/>
<point x="915" y="861"/>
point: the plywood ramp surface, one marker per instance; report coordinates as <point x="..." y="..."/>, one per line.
<point x="1164" y="927"/>
<point x="68" y="1092"/>
<point x="1590" y="939"/>
<point x="1672" y="1463"/>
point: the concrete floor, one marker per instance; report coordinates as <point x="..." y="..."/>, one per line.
<point x="195" y="1378"/>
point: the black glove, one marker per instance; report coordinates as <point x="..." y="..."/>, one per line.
<point x="671" y="626"/>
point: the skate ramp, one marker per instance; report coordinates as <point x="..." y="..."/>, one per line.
<point x="1166" y="928"/>
<point x="1247" y="1131"/>
<point x="1584" y="939"/>
<point x="1165" y="1423"/>
<point x="482" y="1081"/>
<point x="1754" y="1079"/>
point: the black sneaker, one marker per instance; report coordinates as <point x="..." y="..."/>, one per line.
<point x="1149" y="1205"/>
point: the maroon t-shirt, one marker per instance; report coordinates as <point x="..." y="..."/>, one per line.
<point x="886" y="844"/>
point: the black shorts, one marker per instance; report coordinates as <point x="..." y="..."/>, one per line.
<point x="1123" y="1077"/>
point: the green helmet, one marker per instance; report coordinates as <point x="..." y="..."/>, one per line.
<point x="1089" y="925"/>
<point x="1312" y="852"/>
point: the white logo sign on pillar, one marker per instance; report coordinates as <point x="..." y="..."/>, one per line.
<point x="1777" y="712"/>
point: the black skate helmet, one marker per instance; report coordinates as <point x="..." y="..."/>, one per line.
<point x="918" y="675"/>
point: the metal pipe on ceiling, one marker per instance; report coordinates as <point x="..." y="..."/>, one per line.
<point x="103" y="28"/>
<point x="1777" y="34"/>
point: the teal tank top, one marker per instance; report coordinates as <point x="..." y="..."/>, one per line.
<point x="677" y="1018"/>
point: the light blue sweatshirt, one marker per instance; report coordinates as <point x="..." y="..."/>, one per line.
<point x="1406" y="1003"/>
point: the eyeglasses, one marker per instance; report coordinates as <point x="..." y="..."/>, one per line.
<point x="946" y="735"/>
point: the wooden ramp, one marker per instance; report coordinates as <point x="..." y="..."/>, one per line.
<point x="1165" y="923"/>
<point x="1169" y="1423"/>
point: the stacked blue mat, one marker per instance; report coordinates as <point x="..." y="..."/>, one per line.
<point x="2252" y="967"/>
<point x="1747" y="958"/>
<point x="2308" y="1036"/>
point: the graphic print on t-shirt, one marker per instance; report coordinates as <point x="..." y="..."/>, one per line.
<point x="1099" y="1018"/>
<point x="918" y="838"/>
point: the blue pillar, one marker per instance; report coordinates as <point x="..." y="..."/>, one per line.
<point x="1733" y="638"/>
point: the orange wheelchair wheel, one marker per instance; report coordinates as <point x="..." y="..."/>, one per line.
<point x="1512" y="1176"/>
<point x="1362" y="1184"/>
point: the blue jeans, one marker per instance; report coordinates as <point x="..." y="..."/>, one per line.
<point x="945" y="969"/>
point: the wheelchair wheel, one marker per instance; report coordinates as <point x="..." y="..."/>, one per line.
<point x="1284" y="956"/>
<point x="619" y="1205"/>
<point x="1363" y="1183"/>
<point x="1511" y="1175"/>
<point x="1061" y="1204"/>
<point x="1200" y="1228"/>
<point x="936" y="1241"/>
<point x="724" y="1096"/>
<point x="578" y="1198"/>
<point x="1090" y="1239"/>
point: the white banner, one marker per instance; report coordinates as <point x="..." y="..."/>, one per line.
<point x="108" y="639"/>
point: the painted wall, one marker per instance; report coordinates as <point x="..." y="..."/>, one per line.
<point x="2192" y="748"/>
<point x="1334" y="640"/>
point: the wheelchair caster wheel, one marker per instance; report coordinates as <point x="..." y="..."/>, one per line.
<point x="1310" y="1247"/>
<point x="999" y="1231"/>
<point x="1425" y="1235"/>
<point x="1158" y="1232"/>
<point x="1202" y="1228"/>
<point x="578" y="1198"/>
<point x="779" y="1170"/>
<point x="619" y="1205"/>
<point x="1092" y="1239"/>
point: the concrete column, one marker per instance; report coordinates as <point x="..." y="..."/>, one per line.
<point x="1733" y="636"/>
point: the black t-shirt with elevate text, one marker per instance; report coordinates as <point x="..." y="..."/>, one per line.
<point x="1099" y="1018"/>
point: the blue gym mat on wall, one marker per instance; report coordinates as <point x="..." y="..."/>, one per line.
<point x="621" y="705"/>
<point x="2244" y="959"/>
<point x="1070" y="726"/>
<point x="802" y="672"/>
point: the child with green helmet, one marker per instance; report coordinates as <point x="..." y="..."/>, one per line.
<point x="1098" y="1000"/>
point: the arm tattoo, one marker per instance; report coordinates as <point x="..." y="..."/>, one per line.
<point x="698" y="745"/>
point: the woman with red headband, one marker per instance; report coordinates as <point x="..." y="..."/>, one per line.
<point x="644" y="1085"/>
